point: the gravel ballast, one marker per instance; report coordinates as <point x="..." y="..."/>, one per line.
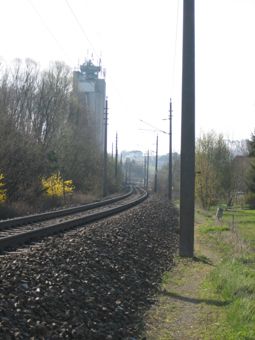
<point x="92" y="283"/>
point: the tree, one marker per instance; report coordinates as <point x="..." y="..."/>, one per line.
<point x="33" y="107"/>
<point x="44" y="131"/>
<point x="2" y="189"/>
<point x="251" y="145"/>
<point x="250" y="177"/>
<point x="240" y="167"/>
<point x="213" y="170"/>
<point x="163" y="175"/>
<point x="113" y="182"/>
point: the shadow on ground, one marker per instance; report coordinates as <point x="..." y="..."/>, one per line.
<point x="195" y="300"/>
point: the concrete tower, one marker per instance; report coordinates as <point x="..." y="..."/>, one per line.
<point x="90" y="90"/>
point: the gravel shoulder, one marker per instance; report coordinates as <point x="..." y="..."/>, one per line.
<point x="91" y="283"/>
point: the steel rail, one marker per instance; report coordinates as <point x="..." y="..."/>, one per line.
<point x="19" y="239"/>
<point x="14" y="222"/>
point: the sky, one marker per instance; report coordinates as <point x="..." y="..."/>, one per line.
<point x="140" y="45"/>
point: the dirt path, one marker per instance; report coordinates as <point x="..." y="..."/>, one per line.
<point x="181" y="312"/>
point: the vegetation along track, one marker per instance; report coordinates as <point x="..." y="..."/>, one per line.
<point x="14" y="232"/>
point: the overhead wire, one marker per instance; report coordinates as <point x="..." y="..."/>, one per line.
<point x="60" y="46"/>
<point x="114" y="87"/>
<point x="175" y="45"/>
<point x="85" y="35"/>
<point x="154" y="127"/>
<point x="90" y="43"/>
<point x="80" y="25"/>
<point x="94" y="51"/>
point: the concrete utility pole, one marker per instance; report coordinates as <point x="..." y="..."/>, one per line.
<point x="156" y="168"/>
<point x="188" y="132"/>
<point x="144" y="172"/>
<point x="147" y="170"/>
<point x="170" y="164"/>
<point x="126" y="171"/>
<point x="129" y="171"/>
<point x="116" y="156"/>
<point x="105" y="149"/>
<point x="121" y="164"/>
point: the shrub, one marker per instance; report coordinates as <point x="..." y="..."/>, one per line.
<point x="250" y="200"/>
<point x="2" y="190"/>
<point x="56" y="186"/>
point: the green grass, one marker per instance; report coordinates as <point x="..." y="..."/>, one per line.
<point x="233" y="279"/>
<point x="223" y="300"/>
<point x="212" y="229"/>
<point x="246" y="225"/>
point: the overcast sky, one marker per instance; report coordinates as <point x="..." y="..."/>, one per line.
<point x="139" y="42"/>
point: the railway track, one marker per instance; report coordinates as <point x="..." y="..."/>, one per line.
<point x="17" y="231"/>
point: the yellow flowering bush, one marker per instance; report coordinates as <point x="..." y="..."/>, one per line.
<point x="2" y="190"/>
<point x="56" y="186"/>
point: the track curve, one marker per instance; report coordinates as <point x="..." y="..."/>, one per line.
<point x="13" y="235"/>
<point x="13" y="222"/>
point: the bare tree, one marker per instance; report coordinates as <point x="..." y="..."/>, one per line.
<point x="213" y="169"/>
<point x="43" y="129"/>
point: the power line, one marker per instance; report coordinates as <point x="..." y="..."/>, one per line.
<point x="91" y="44"/>
<point x="80" y="26"/>
<point x="47" y="28"/>
<point x="154" y="127"/>
<point x="175" y="43"/>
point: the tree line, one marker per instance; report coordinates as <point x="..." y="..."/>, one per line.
<point x="224" y="171"/>
<point x="43" y="132"/>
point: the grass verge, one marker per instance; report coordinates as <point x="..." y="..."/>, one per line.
<point x="213" y="295"/>
<point x="233" y="278"/>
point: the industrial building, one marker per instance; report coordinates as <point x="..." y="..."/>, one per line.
<point x="90" y="91"/>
